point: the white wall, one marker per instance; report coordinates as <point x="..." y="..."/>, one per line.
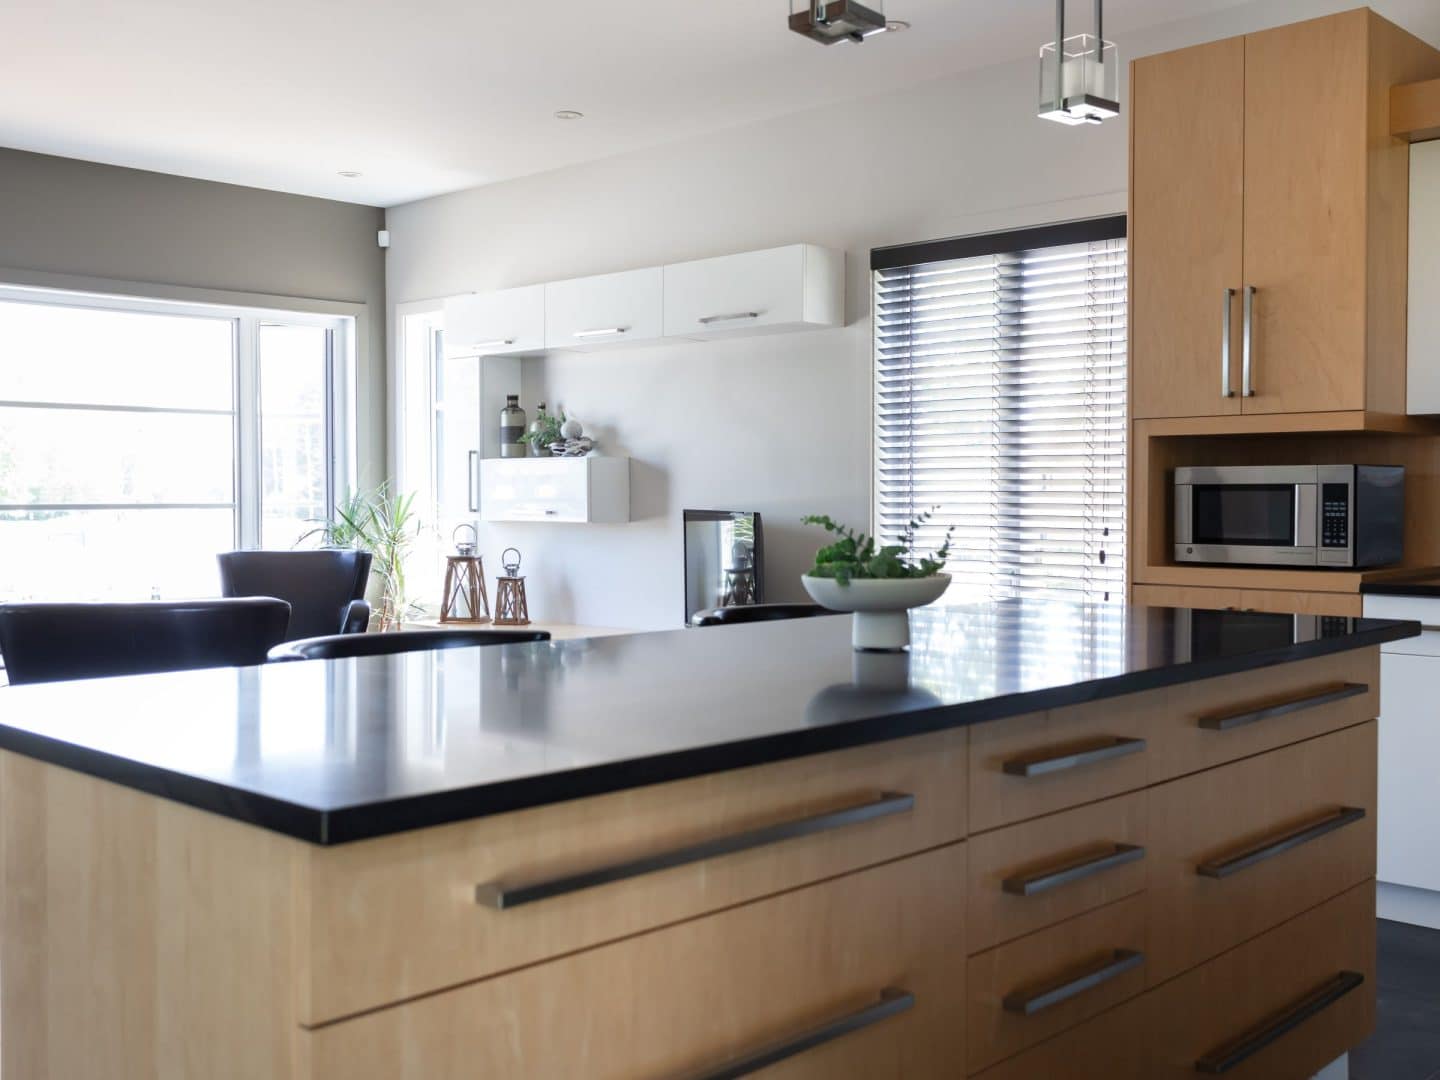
<point x="779" y="424"/>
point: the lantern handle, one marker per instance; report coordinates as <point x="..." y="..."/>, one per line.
<point x="462" y="546"/>
<point x="511" y="568"/>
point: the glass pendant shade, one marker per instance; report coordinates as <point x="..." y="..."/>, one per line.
<point x="1079" y="78"/>
<point x="829" y="21"/>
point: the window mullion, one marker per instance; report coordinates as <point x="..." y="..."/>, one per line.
<point x="247" y="425"/>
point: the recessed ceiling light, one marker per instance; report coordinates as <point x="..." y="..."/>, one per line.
<point x="349" y="174"/>
<point x="568" y="114"/>
<point x="894" y="26"/>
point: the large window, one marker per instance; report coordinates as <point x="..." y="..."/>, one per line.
<point x="1000" y="403"/>
<point x="139" y="438"/>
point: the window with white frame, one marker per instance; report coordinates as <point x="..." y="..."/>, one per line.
<point x="139" y="438"/>
<point x="1000" y="404"/>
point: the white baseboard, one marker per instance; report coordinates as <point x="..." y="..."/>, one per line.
<point x="1339" y="1069"/>
<point x="1408" y="905"/>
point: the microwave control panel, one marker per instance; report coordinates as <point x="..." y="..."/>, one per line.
<point x="1334" y="515"/>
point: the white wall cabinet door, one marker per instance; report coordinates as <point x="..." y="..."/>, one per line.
<point x="611" y="309"/>
<point x="1409" y="791"/>
<point x="503" y="323"/>
<point x="555" y="489"/>
<point x="789" y="288"/>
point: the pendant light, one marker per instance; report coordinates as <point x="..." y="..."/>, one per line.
<point x="829" y="21"/>
<point x="1079" y="74"/>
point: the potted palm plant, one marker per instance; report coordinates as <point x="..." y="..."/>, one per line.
<point x="384" y="524"/>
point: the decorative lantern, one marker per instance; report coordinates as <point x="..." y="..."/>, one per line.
<point x="511" y="608"/>
<point x="465" y="582"/>
<point x="1079" y="74"/>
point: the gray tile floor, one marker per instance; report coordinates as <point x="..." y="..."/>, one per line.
<point x="1406" y="1043"/>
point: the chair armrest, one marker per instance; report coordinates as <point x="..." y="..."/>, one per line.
<point x="357" y="617"/>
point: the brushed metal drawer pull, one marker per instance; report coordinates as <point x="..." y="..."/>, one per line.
<point x="1227" y="721"/>
<point x="1257" y="1038"/>
<point x="1117" y="747"/>
<point x="1286" y="841"/>
<point x="1030" y="1002"/>
<point x="1076" y="870"/>
<point x="708" y="319"/>
<point x="892" y="1001"/>
<point x="502" y="897"/>
<point x="603" y="331"/>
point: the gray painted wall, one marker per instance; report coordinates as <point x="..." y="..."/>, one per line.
<point x="76" y="218"/>
<point x="780" y="424"/>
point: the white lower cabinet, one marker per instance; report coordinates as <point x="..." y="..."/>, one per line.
<point x="1408" y="858"/>
<point x="590" y="489"/>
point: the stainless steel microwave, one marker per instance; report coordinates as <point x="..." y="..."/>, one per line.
<point x="1291" y="515"/>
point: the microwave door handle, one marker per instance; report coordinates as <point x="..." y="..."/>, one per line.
<point x="1307" y="517"/>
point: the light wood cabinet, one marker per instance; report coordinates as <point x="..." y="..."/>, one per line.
<point x="1272" y="600"/>
<point x="1264" y="165"/>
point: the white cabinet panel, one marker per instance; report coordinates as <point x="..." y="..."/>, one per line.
<point x="789" y="288"/>
<point x="555" y="489"/>
<point x="1423" y="392"/>
<point x="611" y="309"/>
<point x="496" y="324"/>
<point x="1409" y="782"/>
<point x="1422" y="609"/>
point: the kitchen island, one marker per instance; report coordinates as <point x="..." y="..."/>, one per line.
<point x="1051" y="841"/>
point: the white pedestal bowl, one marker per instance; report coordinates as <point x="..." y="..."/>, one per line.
<point x="881" y="605"/>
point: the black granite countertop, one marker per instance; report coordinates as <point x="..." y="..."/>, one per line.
<point x="341" y="750"/>
<point x="1420" y="586"/>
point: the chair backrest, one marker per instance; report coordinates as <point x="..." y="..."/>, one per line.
<point x="339" y="646"/>
<point x="747" y="613"/>
<point x="48" y="642"/>
<point x="325" y="589"/>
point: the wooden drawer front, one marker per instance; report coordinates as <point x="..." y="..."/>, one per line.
<point x="1029" y="876"/>
<point x="1237" y="850"/>
<point x="1252" y="991"/>
<point x="693" y="996"/>
<point x="1030" y="989"/>
<point x="1224" y="719"/>
<point x="395" y="917"/>
<point x="1075" y="755"/>
<point x="1111" y="1045"/>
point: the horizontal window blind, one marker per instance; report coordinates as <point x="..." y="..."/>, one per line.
<point x="1000" y="402"/>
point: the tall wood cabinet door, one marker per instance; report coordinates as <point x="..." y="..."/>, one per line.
<point x="1187" y="143"/>
<point x="1305" y="214"/>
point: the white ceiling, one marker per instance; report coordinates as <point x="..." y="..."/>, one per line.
<point x="427" y="96"/>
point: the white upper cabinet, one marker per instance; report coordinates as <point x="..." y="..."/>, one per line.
<point x="610" y="309"/>
<point x="503" y="323"/>
<point x="580" y="489"/>
<point x="799" y="287"/>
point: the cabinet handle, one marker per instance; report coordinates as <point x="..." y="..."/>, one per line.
<point x="1119" y="746"/>
<point x="1247" y="346"/>
<point x="470" y="500"/>
<point x="604" y="331"/>
<point x="1257" y="1038"/>
<point x="1225" y="389"/>
<point x="707" y="319"/>
<point x="1286" y="841"/>
<point x="892" y="1001"/>
<point x="501" y="896"/>
<point x="1076" y="870"/>
<point x="499" y="343"/>
<point x="1229" y="721"/>
<point x="1030" y="1002"/>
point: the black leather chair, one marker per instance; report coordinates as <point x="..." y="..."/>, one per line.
<point x="325" y="589"/>
<point x="48" y="642"/>
<point x="748" y="613"/>
<point x="340" y="646"/>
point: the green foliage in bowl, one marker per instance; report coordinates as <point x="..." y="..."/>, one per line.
<point x="855" y="556"/>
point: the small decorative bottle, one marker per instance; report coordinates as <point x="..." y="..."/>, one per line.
<point x="512" y="428"/>
<point x="536" y="427"/>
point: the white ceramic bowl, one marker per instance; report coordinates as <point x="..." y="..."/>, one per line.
<point x="880" y="605"/>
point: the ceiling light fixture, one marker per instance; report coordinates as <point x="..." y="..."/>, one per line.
<point x="829" y="21"/>
<point x="349" y="174"/>
<point x="1078" y="75"/>
<point x="568" y="114"/>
